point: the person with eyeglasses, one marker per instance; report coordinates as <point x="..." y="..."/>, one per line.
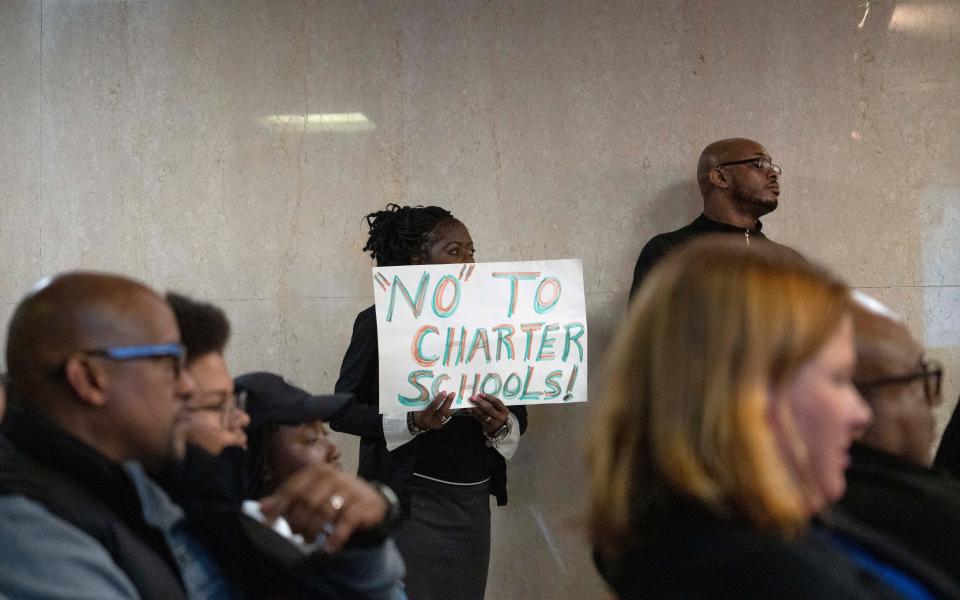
<point x="357" y="559"/>
<point x="721" y="439"/>
<point x="739" y="183"/>
<point x="891" y="485"/>
<point x="214" y="420"/>
<point x="96" y="387"/>
<point x="92" y="465"/>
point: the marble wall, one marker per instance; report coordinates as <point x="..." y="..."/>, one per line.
<point x="169" y="140"/>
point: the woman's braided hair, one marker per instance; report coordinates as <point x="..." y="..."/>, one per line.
<point x="399" y="234"/>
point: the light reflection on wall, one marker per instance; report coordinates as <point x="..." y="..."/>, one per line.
<point x="935" y="19"/>
<point x="866" y="12"/>
<point x="333" y="122"/>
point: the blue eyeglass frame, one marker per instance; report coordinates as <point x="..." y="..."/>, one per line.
<point x="123" y="353"/>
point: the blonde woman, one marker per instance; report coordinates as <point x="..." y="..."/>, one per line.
<point x="725" y="429"/>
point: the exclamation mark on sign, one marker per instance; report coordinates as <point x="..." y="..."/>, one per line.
<point x="573" y="379"/>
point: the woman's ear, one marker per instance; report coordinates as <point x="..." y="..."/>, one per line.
<point x="87" y="379"/>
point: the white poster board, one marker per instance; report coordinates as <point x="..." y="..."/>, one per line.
<point x="516" y="330"/>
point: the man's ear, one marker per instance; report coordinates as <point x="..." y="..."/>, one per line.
<point x="718" y="179"/>
<point x="87" y="379"/>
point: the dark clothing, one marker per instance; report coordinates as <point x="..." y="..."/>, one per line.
<point x="662" y="244"/>
<point x="915" y="505"/>
<point x="359" y="375"/>
<point x="42" y="463"/>
<point x="948" y="453"/>
<point x="445" y="535"/>
<point x="209" y="490"/>
<point x="446" y="541"/>
<point x="695" y="555"/>
<point x="457" y="453"/>
<point x="865" y="545"/>
<point x="77" y="484"/>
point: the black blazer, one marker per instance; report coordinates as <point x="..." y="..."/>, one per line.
<point x="359" y="375"/>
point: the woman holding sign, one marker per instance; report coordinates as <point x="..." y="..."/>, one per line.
<point x="443" y="464"/>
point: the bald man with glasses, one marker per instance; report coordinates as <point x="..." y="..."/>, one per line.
<point x="739" y="184"/>
<point x="96" y="386"/>
<point x="96" y="500"/>
<point x="890" y="483"/>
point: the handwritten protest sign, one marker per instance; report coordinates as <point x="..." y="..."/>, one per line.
<point x="516" y="330"/>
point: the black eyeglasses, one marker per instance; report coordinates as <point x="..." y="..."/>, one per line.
<point x="175" y="351"/>
<point x="931" y="372"/>
<point x="760" y="164"/>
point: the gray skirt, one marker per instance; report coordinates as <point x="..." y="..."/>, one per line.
<point x="445" y="541"/>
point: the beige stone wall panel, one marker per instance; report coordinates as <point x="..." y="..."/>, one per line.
<point x="136" y="139"/>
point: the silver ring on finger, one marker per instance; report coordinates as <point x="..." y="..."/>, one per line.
<point x="488" y="419"/>
<point x="336" y="502"/>
<point x="443" y="420"/>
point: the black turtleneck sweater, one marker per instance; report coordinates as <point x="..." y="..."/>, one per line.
<point x="662" y="244"/>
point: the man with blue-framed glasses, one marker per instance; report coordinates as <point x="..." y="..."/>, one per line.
<point x="739" y="184"/>
<point x="97" y="392"/>
<point x="96" y="389"/>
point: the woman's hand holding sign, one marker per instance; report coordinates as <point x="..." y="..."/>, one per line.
<point x="490" y="411"/>
<point x="436" y="414"/>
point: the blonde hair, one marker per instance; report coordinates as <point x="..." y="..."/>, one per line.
<point x="685" y="413"/>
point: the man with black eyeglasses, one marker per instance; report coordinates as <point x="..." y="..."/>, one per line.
<point x="890" y="483"/>
<point x="739" y="184"/>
